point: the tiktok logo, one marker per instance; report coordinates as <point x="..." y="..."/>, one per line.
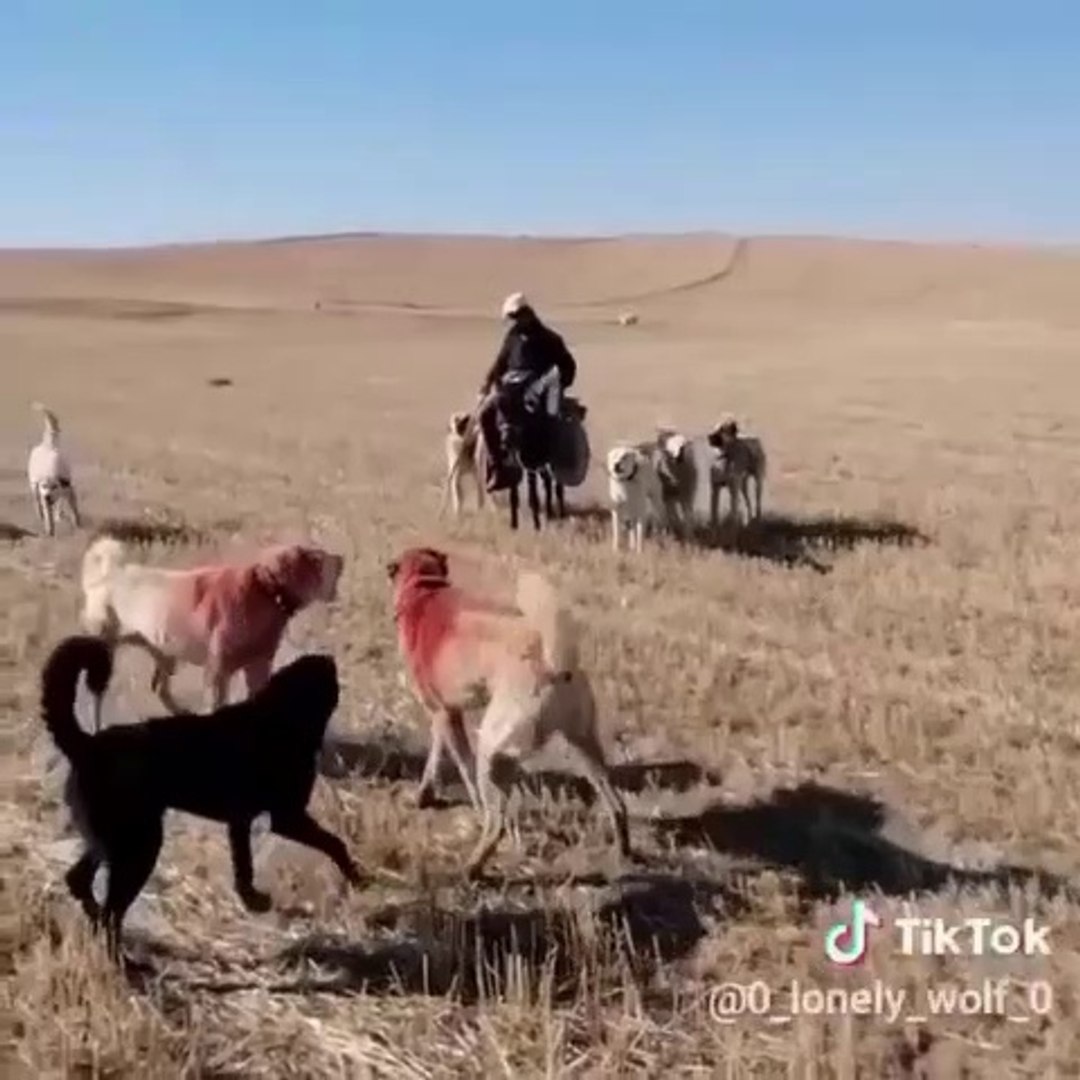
<point x="845" y="943"/>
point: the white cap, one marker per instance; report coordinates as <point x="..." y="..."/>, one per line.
<point x="513" y="304"/>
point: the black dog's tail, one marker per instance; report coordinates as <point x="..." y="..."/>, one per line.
<point x="59" y="681"/>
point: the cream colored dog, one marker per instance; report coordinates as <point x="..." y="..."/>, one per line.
<point x="520" y="664"/>
<point x="49" y="474"/>
<point x="637" y="496"/>
<point x="224" y="618"/>
<point x="465" y="456"/>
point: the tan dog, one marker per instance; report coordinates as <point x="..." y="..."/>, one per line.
<point x="739" y="460"/>
<point x="465" y="456"/>
<point x="463" y="651"/>
<point x="224" y="618"/>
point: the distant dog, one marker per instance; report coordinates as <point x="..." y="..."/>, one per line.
<point x="233" y="765"/>
<point x="49" y="473"/>
<point x="224" y="618"/>
<point x="739" y="460"/>
<point x="520" y="663"/>
<point x="678" y="473"/>
<point x="636" y="493"/>
<point x="465" y="456"/>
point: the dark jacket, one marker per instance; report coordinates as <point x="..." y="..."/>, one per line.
<point x="533" y="348"/>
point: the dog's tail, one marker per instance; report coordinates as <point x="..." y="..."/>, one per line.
<point x="59" y="680"/>
<point x="542" y="608"/>
<point x="51" y="433"/>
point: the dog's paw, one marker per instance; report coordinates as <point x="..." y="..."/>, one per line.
<point x="474" y="873"/>
<point x="357" y="879"/>
<point x="426" y="799"/>
<point x="255" y="901"/>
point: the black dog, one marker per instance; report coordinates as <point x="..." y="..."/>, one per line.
<point x="232" y="765"/>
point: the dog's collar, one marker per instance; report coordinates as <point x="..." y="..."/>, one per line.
<point x="284" y="600"/>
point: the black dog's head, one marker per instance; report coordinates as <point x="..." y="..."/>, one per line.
<point x="306" y="690"/>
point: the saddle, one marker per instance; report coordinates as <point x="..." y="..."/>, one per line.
<point x="516" y="420"/>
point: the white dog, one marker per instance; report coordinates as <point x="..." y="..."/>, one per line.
<point x="49" y="474"/>
<point x="636" y="494"/>
<point x="678" y="472"/>
<point x="739" y="459"/>
<point x="465" y="455"/>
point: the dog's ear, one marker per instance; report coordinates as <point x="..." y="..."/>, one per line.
<point x="393" y="568"/>
<point x="440" y="559"/>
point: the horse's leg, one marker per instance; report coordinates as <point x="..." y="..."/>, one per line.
<point x="549" y="503"/>
<point x="515" y="505"/>
<point x="560" y="497"/>
<point x="534" y="499"/>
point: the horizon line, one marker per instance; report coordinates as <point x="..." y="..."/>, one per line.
<point x="1070" y="247"/>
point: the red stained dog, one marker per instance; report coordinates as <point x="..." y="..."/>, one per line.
<point x="224" y="618"/>
<point x="461" y="650"/>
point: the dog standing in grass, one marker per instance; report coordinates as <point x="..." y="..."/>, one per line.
<point x="739" y="460"/>
<point x="520" y="663"/>
<point x="636" y="493"/>
<point x="465" y="456"/>
<point x="49" y="474"/>
<point x="233" y="765"/>
<point x="678" y="474"/>
<point x="224" y="618"/>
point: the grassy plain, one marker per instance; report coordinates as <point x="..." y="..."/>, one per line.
<point x="876" y="693"/>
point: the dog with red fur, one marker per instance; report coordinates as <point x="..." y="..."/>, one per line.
<point x="224" y="618"/>
<point x="520" y="663"/>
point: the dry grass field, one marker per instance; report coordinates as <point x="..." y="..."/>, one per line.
<point x="874" y="692"/>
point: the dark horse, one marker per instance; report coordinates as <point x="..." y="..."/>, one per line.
<point x="549" y="450"/>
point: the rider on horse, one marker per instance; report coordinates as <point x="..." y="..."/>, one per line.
<point x="533" y="366"/>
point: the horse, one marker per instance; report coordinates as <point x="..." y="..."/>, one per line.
<point x="553" y="451"/>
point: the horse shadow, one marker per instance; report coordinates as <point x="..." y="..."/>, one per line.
<point x="833" y="840"/>
<point x="390" y="759"/>
<point x="645" y="921"/>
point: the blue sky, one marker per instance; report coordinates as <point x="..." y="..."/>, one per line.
<point x="137" y="121"/>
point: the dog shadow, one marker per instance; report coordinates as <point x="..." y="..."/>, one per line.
<point x="389" y="759"/>
<point x="645" y="920"/>
<point x="783" y="539"/>
<point x="833" y="840"/>
<point x="589" y="520"/>
<point x="788" y="540"/>
<point x="13" y="534"/>
<point x="146" y="531"/>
